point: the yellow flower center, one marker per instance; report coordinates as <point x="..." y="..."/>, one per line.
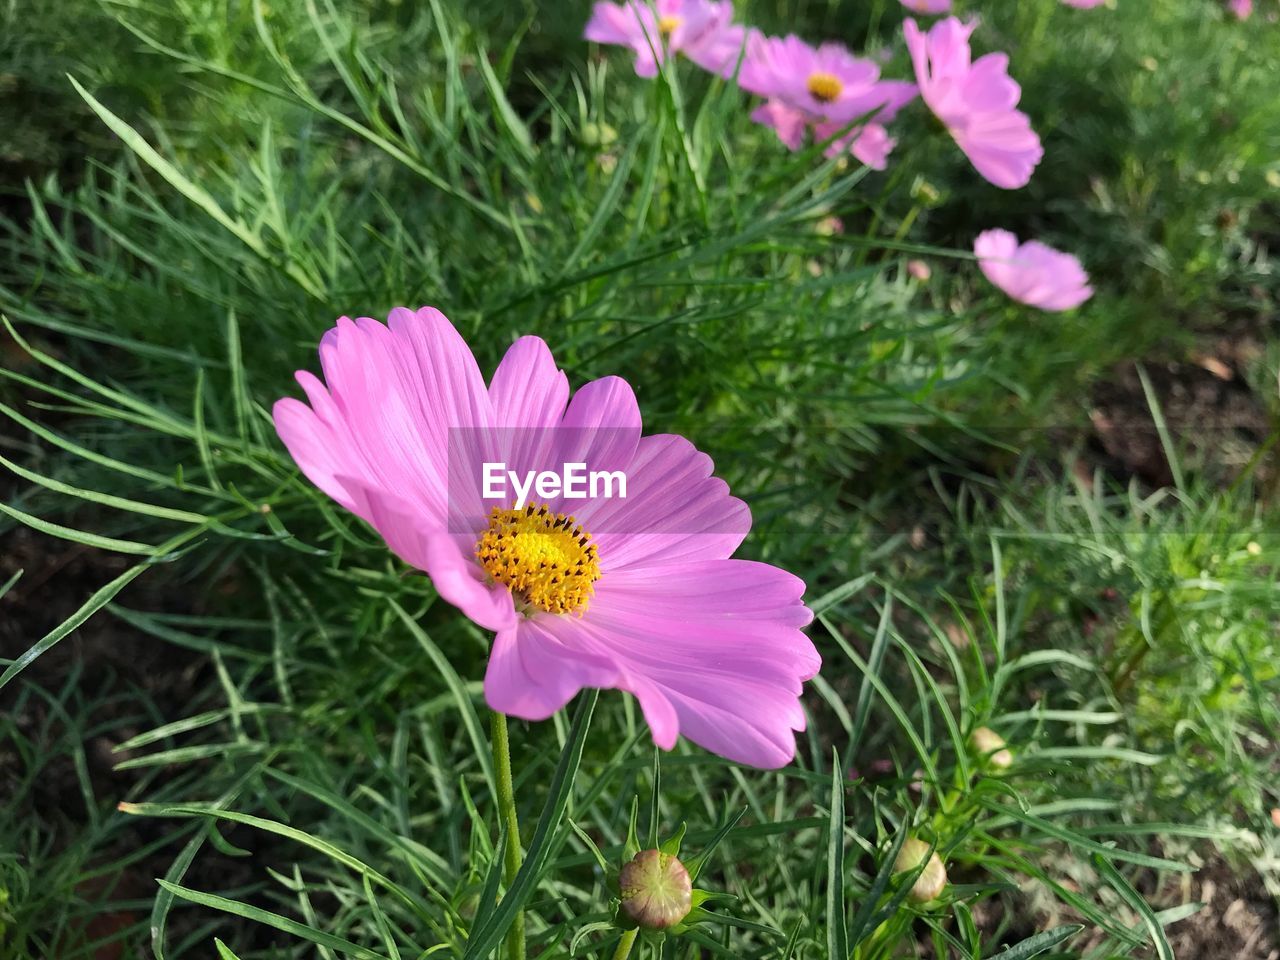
<point x="824" y="86"/>
<point x="546" y="559"/>
<point x="667" y="25"/>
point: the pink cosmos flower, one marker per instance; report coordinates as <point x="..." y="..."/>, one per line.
<point x="1032" y="273"/>
<point x="823" y="89"/>
<point x="635" y="592"/>
<point x="975" y="100"/>
<point x="870" y="143"/>
<point x="1243" y="9"/>
<point x="930" y="6"/>
<point x="700" y="29"/>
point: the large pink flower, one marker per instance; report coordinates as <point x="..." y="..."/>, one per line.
<point x="976" y="101"/>
<point x="930" y="6"/>
<point x="702" y="30"/>
<point x="825" y="89"/>
<point x="1032" y="273"/>
<point x="634" y="592"/>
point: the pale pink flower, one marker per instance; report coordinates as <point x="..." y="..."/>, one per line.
<point x="827" y="83"/>
<point x="1084" y="4"/>
<point x="1243" y="9"/>
<point x="702" y="30"/>
<point x="824" y="89"/>
<point x="919" y="270"/>
<point x="1032" y="273"/>
<point x="788" y="123"/>
<point x="928" y="6"/>
<point x="636" y="593"/>
<point x="976" y="101"/>
<point x="870" y="143"/>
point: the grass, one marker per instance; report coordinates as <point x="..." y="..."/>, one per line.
<point x="241" y="173"/>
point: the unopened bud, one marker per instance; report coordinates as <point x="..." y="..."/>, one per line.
<point x="932" y="879"/>
<point x="829" y="227"/>
<point x="656" y="890"/>
<point x="919" y="270"/>
<point x="991" y="747"/>
<point x="925" y="193"/>
<point x="598" y="134"/>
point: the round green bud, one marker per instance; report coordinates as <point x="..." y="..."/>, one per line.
<point x="932" y="879"/>
<point x="991" y="747"/>
<point x="656" y="890"/>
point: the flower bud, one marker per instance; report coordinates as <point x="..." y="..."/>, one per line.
<point x="656" y="890"/>
<point x="919" y="270"/>
<point x="932" y="879"/>
<point x="829" y="227"/>
<point x="991" y="747"/>
<point x="597" y="134"/>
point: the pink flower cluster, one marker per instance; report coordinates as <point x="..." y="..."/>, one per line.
<point x="826" y="94"/>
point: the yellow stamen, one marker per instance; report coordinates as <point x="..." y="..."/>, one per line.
<point x="825" y="87"/>
<point x="546" y="559"/>
<point x="667" y="25"/>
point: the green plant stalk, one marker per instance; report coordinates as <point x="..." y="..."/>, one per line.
<point x="625" y="944"/>
<point x="511" y="855"/>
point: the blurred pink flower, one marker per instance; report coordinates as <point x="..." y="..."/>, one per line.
<point x="826" y="83"/>
<point x="928" y="6"/>
<point x="1242" y="9"/>
<point x="649" y="601"/>
<point x="824" y="89"/>
<point x="1084" y="4"/>
<point x="702" y="30"/>
<point x="870" y="143"/>
<point x="976" y="101"/>
<point x="1032" y="273"/>
<point x="919" y="270"/>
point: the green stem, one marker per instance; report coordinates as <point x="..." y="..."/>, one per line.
<point x="507" y="811"/>
<point x="625" y="944"/>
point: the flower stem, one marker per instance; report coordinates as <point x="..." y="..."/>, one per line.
<point x="507" y="811"/>
<point x="625" y="944"/>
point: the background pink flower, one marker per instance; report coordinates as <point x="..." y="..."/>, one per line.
<point x="826" y="83"/>
<point x="1032" y="273"/>
<point x="702" y="30"/>
<point x="823" y="90"/>
<point x="637" y="593"/>
<point x="928" y="6"/>
<point x="976" y="101"/>
<point x="1084" y="4"/>
<point x="1243" y="9"/>
<point x="869" y="143"/>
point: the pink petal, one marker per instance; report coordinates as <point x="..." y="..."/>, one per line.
<point x="454" y="574"/>
<point x="1032" y="273"/>
<point x="529" y="393"/>
<point x="601" y="428"/>
<point x="674" y="510"/>
<point x="1002" y="147"/>
<point x="392" y="404"/>
<point x="537" y="665"/>
<point x="719" y="643"/>
<point x="787" y="122"/>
